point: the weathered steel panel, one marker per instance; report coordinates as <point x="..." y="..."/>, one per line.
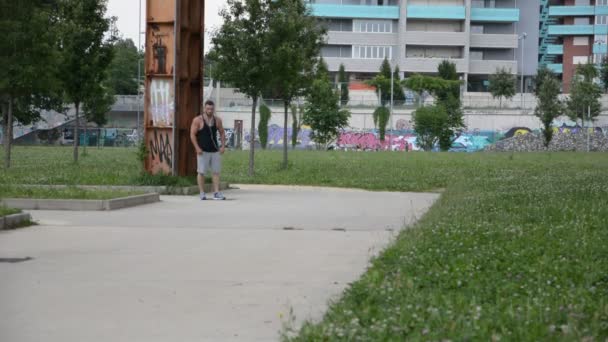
<point x="174" y="59"/>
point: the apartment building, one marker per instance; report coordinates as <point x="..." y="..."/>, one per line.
<point x="572" y="32"/>
<point x="479" y="36"/>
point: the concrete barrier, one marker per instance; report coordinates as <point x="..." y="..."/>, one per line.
<point x="80" y="205"/>
<point x="163" y="190"/>
<point x="14" y="221"/>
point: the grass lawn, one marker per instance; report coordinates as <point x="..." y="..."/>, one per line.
<point x="4" y="211"/>
<point x="67" y="193"/>
<point x="515" y="250"/>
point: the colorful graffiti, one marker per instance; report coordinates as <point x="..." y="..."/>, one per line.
<point x="399" y="140"/>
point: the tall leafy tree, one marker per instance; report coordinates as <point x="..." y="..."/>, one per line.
<point x="502" y="84"/>
<point x="549" y="105"/>
<point x="399" y="94"/>
<point x="322" y="111"/>
<point x="344" y="96"/>
<point x="429" y="124"/>
<point x="122" y="72"/>
<point x="381" y="117"/>
<point x="382" y="83"/>
<point x="240" y="54"/>
<point x="86" y="52"/>
<point x="604" y="73"/>
<point x="584" y="94"/>
<point x="294" y="41"/>
<point x="265" y="115"/>
<point x="29" y="63"/>
<point x="449" y="98"/>
<point x="296" y="121"/>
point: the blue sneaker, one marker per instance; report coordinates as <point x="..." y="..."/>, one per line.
<point x="203" y="196"/>
<point x="219" y="196"/>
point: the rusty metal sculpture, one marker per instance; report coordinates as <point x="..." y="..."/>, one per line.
<point x="173" y="69"/>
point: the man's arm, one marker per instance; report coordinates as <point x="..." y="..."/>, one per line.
<point x="220" y="127"/>
<point x="193" y="131"/>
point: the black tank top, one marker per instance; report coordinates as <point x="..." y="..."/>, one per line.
<point x="207" y="137"/>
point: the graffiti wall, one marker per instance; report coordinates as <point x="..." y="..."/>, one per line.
<point x="405" y="139"/>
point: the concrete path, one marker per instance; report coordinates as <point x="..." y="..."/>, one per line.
<point x="186" y="270"/>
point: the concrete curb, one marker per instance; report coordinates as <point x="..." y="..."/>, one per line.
<point x="163" y="190"/>
<point x="80" y="205"/>
<point x="13" y="221"/>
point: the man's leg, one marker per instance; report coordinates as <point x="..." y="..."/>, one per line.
<point x="200" y="178"/>
<point x="216" y="167"/>
<point x="216" y="182"/>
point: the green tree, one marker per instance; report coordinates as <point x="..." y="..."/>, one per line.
<point x="122" y="72"/>
<point x="29" y="64"/>
<point x="240" y="54"/>
<point x="549" y="106"/>
<point x="399" y="94"/>
<point x="85" y="52"/>
<point x="429" y="125"/>
<point x="294" y="43"/>
<point x="381" y="116"/>
<point x="344" y="96"/>
<point x="296" y="120"/>
<point x="584" y="95"/>
<point x="382" y="83"/>
<point x="502" y="84"/>
<point x="448" y="96"/>
<point x="323" y="114"/>
<point x="428" y="84"/>
<point x="96" y="106"/>
<point x="604" y="73"/>
<point x="265" y="115"/>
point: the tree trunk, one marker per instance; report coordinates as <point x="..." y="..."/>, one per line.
<point x="286" y="106"/>
<point x="252" y="137"/>
<point x="8" y="132"/>
<point x="76" y="133"/>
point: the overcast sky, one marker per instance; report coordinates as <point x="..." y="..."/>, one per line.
<point x="126" y="11"/>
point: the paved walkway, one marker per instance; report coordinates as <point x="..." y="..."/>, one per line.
<point x="186" y="270"/>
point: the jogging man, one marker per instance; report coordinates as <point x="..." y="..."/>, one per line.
<point x="203" y="134"/>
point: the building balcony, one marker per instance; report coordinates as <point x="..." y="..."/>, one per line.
<point x="574" y="11"/>
<point x="498" y="41"/>
<point x="488" y="67"/>
<point x="353" y="64"/>
<point x="555" y="49"/>
<point x="436" y="12"/>
<point x="556" y="68"/>
<point x="570" y="30"/>
<point x="430" y="65"/>
<point x="354" y="11"/>
<point x="435" y="38"/>
<point x="361" y="38"/>
<point x="600" y="48"/>
<point x="497" y="15"/>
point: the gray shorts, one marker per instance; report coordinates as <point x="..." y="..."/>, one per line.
<point x="209" y="162"/>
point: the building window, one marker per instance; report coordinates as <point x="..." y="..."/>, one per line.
<point x="601" y="2"/>
<point x="581" y="21"/>
<point x="580" y="60"/>
<point x="372" y="52"/>
<point x="601" y="19"/>
<point x="581" y="41"/>
<point x="476" y="55"/>
<point x="373" y="26"/>
<point x="477" y="29"/>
